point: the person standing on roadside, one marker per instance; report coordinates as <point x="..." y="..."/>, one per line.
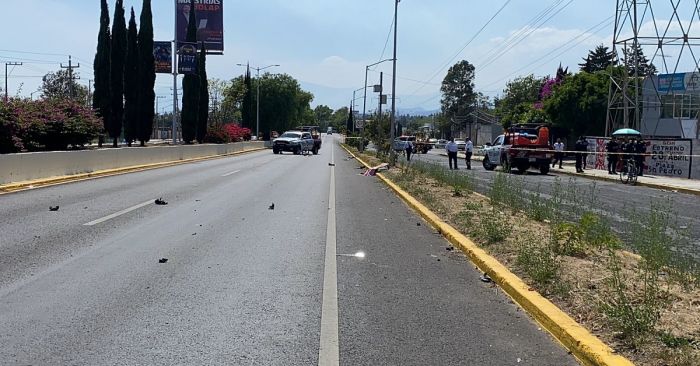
<point x="641" y="149"/>
<point x="451" y="149"/>
<point x="409" y="150"/>
<point x="612" y="148"/>
<point x="581" y="147"/>
<point x="468" y="151"/>
<point x="558" y="153"/>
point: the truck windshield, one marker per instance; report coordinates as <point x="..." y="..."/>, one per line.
<point x="290" y="134"/>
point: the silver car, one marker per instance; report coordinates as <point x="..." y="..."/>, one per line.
<point x="297" y="142"/>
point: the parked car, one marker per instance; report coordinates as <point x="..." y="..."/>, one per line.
<point x="329" y="131"/>
<point x="461" y="144"/>
<point x="432" y="141"/>
<point x="440" y="144"/>
<point x="297" y="142"/>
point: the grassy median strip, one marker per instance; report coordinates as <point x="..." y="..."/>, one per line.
<point x="644" y="305"/>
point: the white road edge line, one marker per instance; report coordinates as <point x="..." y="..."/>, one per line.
<point x="231" y="173"/>
<point x="328" y="352"/>
<point x="99" y="221"/>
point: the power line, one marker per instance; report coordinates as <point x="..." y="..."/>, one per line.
<point x="388" y="36"/>
<point x="532" y="30"/>
<point x="35" y="53"/>
<point x="447" y="63"/>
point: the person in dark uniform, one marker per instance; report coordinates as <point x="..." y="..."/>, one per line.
<point x="612" y="148"/>
<point x="640" y="149"/>
<point x="629" y="148"/>
<point x="580" y="147"/>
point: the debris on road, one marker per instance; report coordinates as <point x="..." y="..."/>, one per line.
<point x="53" y="208"/>
<point x="160" y="201"/>
<point x="272" y="207"/>
<point x="373" y="170"/>
<point x="417" y="223"/>
<point x="485" y="278"/>
<point x="162" y="260"/>
<point x="331" y="164"/>
<point x="449" y="249"/>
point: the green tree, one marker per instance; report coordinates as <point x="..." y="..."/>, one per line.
<point x="247" y="113"/>
<point x="190" y="89"/>
<point x="339" y="118"/>
<point x="147" y="74"/>
<point x="217" y="94"/>
<point x="283" y="104"/>
<point x="458" y="89"/>
<point x="233" y="95"/>
<point x="579" y="104"/>
<point x="116" y="79"/>
<point x="203" y="112"/>
<point x="597" y="60"/>
<point x="350" y="121"/>
<point x="323" y="115"/>
<point x="131" y="82"/>
<point x="101" y="66"/>
<point x="518" y="99"/>
<point x="58" y="85"/>
<point x="633" y="55"/>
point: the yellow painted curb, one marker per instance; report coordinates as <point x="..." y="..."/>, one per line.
<point x="580" y="342"/>
<point x="44" y="182"/>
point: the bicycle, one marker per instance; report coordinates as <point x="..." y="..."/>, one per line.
<point x="628" y="173"/>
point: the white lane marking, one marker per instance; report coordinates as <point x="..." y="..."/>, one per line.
<point x="231" y="173"/>
<point x="109" y="217"/>
<point x="328" y="352"/>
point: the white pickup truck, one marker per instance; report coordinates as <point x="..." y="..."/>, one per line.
<point x="522" y="147"/>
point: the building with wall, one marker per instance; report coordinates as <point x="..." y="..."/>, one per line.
<point x="670" y="106"/>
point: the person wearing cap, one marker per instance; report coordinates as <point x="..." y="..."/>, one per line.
<point x="581" y="147"/>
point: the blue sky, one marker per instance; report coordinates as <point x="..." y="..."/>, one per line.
<point x="325" y="44"/>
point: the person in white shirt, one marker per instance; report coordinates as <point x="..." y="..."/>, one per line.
<point x="451" y="149"/>
<point x="558" y="153"/>
<point x="468" y="150"/>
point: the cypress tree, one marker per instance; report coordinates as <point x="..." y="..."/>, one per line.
<point x="147" y="74"/>
<point x="247" y="107"/>
<point x="116" y="79"/>
<point x="131" y="83"/>
<point x="203" y="117"/>
<point x="100" y="97"/>
<point x="190" y="89"/>
<point x="597" y="60"/>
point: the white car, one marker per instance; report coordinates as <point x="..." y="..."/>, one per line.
<point x="461" y="144"/>
<point x="440" y="144"/>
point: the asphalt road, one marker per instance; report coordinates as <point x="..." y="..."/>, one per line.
<point x="617" y="201"/>
<point x="244" y="284"/>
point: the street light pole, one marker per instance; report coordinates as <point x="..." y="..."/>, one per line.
<point x="257" y="112"/>
<point x="364" y="103"/>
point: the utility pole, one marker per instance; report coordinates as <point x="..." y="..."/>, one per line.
<point x="381" y="99"/>
<point x="70" y="67"/>
<point x="6" y="65"/>
<point x="393" y="80"/>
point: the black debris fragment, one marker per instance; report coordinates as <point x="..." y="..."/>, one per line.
<point x="449" y="249"/>
<point x="53" y="208"/>
<point x="162" y="260"/>
<point x="331" y="164"/>
<point x="160" y="201"/>
<point x="485" y="278"/>
<point x="417" y="223"/>
<point x="272" y="206"/>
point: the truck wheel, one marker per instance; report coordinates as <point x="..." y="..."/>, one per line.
<point x="522" y="168"/>
<point x="315" y="150"/>
<point x="487" y="164"/>
<point x="275" y="151"/>
<point x="544" y="169"/>
<point x="297" y="150"/>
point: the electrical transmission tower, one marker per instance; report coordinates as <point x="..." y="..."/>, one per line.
<point x="666" y="27"/>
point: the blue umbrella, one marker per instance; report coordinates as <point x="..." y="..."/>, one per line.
<point x="626" y="132"/>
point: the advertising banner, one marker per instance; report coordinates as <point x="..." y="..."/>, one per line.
<point x="187" y="58"/>
<point x="163" y="55"/>
<point x="670" y="158"/>
<point x="679" y="82"/>
<point x="209" y="20"/>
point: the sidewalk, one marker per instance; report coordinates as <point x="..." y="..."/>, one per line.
<point x="689" y="186"/>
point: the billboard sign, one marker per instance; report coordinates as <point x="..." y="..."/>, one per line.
<point x="163" y="56"/>
<point x="187" y="58"/>
<point x="209" y="16"/>
<point x="679" y="82"/>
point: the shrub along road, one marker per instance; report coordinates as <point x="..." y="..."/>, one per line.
<point x="244" y="283"/>
<point x="616" y="200"/>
